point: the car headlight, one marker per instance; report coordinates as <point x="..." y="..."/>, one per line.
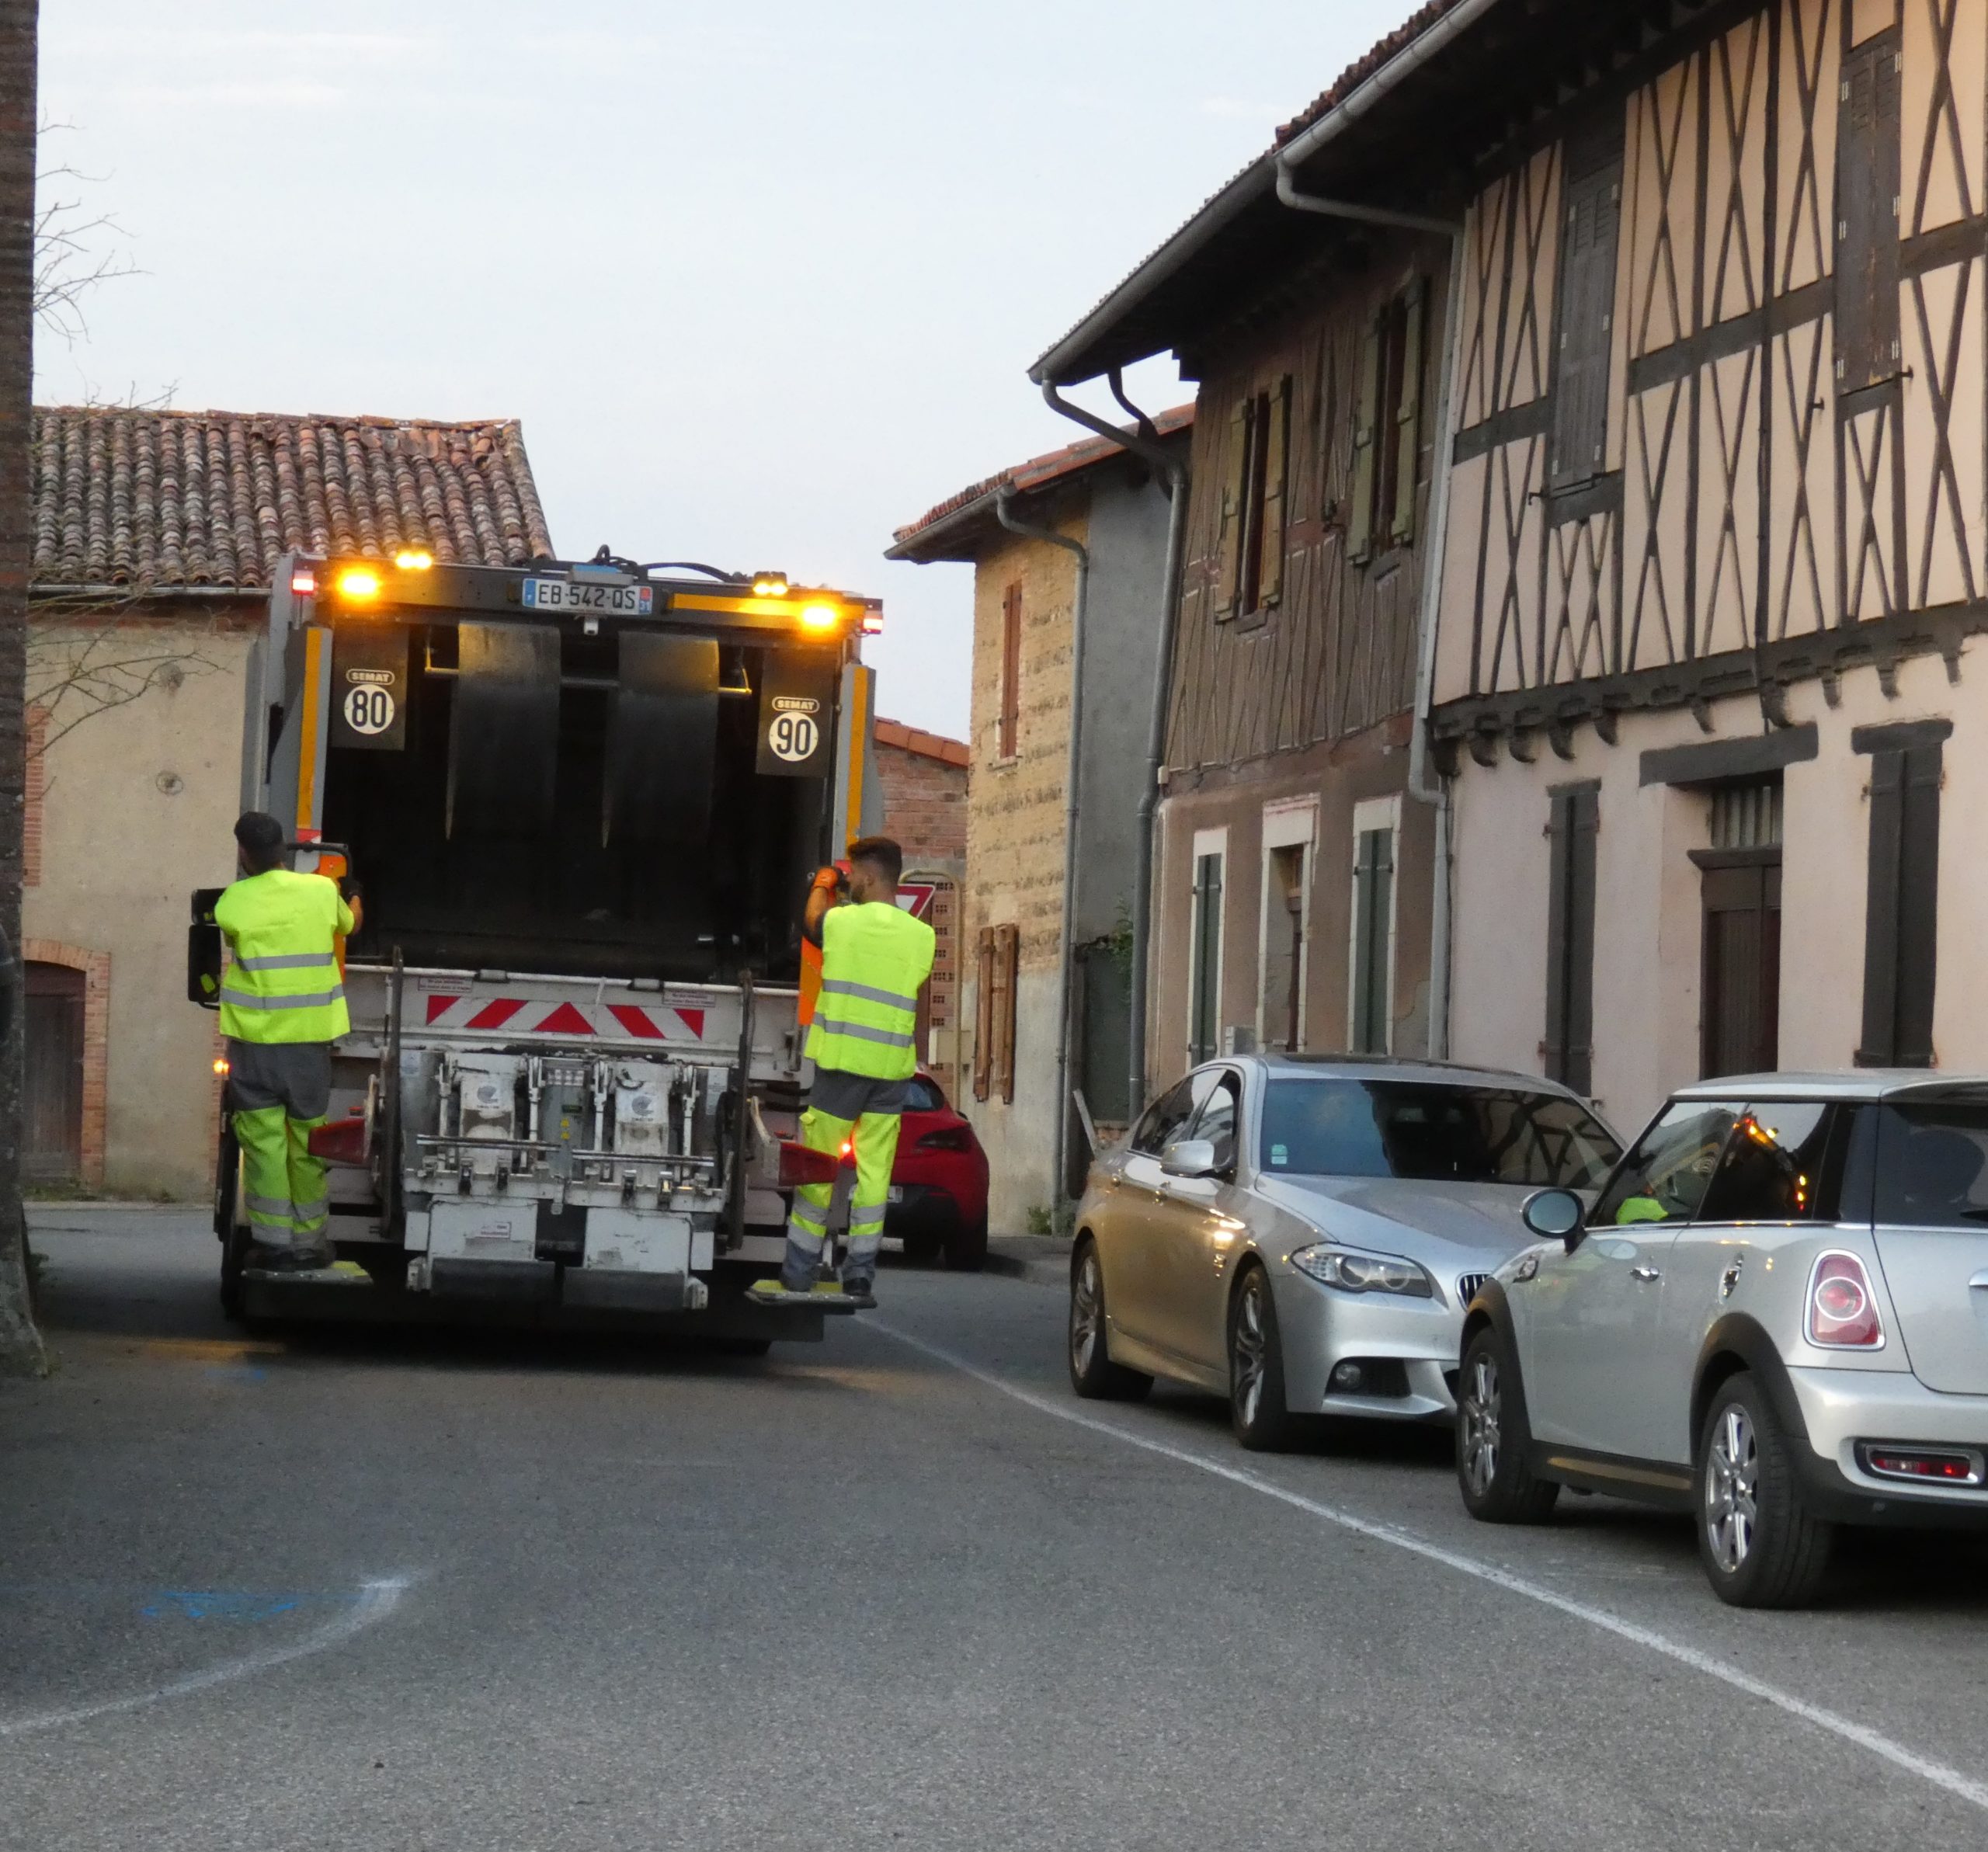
<point x="1354" y="1272"/>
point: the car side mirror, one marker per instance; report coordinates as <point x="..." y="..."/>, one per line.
<point x="1191" y="1158"/>
<point x="1554" y="1215"/>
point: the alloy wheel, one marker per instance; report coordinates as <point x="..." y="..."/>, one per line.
<point x="1084" y="1320"/>
<point x="1482" y="1406"/>
<point x="1732" y="1481"/>
<point x="1250" y="1349"/>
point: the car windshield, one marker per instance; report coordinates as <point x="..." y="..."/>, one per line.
<point x="1425" y="1132"/>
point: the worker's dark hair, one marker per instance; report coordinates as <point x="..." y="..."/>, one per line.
<point x="881" y="853"/>
<point x="261" y="839"/>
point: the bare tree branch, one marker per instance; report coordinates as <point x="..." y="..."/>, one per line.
<point x="84" y="661"/>
<point x="70" y="260"/>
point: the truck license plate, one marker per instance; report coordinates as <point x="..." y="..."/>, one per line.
<point x="579" y="595"/>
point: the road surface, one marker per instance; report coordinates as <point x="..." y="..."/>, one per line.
<point x="429" y="1591"/>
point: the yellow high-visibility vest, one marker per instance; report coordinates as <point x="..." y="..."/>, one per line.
<point x="875" y="958"/>
<point x="284" y="984"/>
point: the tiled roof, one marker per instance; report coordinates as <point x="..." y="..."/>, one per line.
<point x="211" y="498"/>
<point x="1039" y="472"/>
<point x="915" y="739"/>
<point x="1364" y="67"/>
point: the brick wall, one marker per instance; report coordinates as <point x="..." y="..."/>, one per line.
<point x="924" y="792"/>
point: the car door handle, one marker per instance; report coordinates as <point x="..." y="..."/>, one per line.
<point x="1644" y="1272"/>
<point x="1979" y="1282"/>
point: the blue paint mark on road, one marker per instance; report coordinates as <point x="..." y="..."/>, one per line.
<point x="237" y="1373"/>
<point x="218" y="1604"/>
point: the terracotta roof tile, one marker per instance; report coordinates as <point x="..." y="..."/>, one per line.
<point x="1364" y="67"/>
<point x="915" y="739"/>
<point x="213" y="498"/>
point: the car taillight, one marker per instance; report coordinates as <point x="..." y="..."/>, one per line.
<point x="1842" y="1310"/>
<point x="947" y="1137"/>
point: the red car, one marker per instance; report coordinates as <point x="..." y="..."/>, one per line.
<point x="938" y="1184"/>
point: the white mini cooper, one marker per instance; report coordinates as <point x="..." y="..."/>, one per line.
<point x="1775" y="1316"/>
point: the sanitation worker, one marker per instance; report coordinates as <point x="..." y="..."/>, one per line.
<point x="864" y="1043"/>
<point x="282" y="1004"/>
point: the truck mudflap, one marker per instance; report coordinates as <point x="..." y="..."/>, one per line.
<point x="534" y="1295"/>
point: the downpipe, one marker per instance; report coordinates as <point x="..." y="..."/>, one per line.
<point x="1143" y="443"/>
<point x="1073" y="813"/>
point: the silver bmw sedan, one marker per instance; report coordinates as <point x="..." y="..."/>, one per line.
<point x="1302" y="1234"/>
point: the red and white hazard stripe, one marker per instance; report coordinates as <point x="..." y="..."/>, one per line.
<point x="567" y="1021"/>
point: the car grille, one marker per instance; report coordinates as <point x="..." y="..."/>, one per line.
<point x="1468" y="1286"/>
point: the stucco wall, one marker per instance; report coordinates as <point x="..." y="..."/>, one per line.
<point x="1335" y="778"/>
<point x="1649" y="922"/>
<point x="1127" y="540"/>
<point x="121" y="850"/>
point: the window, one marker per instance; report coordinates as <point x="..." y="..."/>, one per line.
<point x="1900" y="930"/>
<point x="1573" y="821"/>
<point x="1869" y="136"/>
<point x="1008" y="728"/>
<point x="921" y="1095"/>
<point x="1216" y="1120"/>
<point x="1387" y="431"/>
<point x="1932" y="1170"/>
<point x="994" y="1025"/>
<point x="1418" y="1132"/>
<point x="1590" y="227"/>
<point x="1290" y="826"/>
<point x="1165" y="1122"/>
<point x="1664" y="1178"/>
<point x="1784" y="1163"/>
<point x="1204" y="977"/>
<point x="1370" y="1012"/>
<point x="1249" y="576"/>
<point x="1739" y="1025"/>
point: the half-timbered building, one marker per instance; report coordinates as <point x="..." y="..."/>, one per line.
<point x="1292" y="865"/>
<point x="1715" y="561"/>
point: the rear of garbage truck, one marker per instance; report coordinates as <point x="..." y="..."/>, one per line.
<point x="580" y="802"/>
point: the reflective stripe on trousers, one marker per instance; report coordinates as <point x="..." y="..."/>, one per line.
<point x="875" y="1138"/>
<point x="282" y="1185"/>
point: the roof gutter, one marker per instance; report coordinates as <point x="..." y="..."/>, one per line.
<point x="1143" y="442"/>
<point x="1410" y="59"/>
<point x="1335" y="123"/>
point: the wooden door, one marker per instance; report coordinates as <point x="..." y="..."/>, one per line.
<point x="1740" y="1030"/>
<point x="52" y="1149"/>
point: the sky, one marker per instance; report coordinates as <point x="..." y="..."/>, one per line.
<point x="761" y="282"/>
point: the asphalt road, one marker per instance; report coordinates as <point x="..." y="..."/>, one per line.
<point x="433" y="1592"/>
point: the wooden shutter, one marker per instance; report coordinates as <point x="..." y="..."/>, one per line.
<point x="1276" y="476"/>
<point x="1235" y="513"/>
<point x="1867" y="184"/>
<point x="1407" y="434"/>
<point x="1009" y="729"/>
<point x="983" y="1015"/>
<point x="1366" y="416"/>
<point x="1901" y="910"/>
<point x="1007" y="958"/>
<point x="1573" y="823"/>
<point x="1591" y="228"/>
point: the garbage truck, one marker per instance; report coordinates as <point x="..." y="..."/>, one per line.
<point x="581" y="803"/>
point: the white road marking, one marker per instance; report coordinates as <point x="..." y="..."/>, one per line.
<point x="376" y="1600"/>
<point x="1965" y="1786"/>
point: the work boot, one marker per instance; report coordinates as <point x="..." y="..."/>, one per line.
<point x="859" y="1291"/>
<point x="264" y="1258"/>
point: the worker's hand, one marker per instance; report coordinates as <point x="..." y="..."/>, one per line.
<point x="358" y="907"/>
<point x="829" y="878"/>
